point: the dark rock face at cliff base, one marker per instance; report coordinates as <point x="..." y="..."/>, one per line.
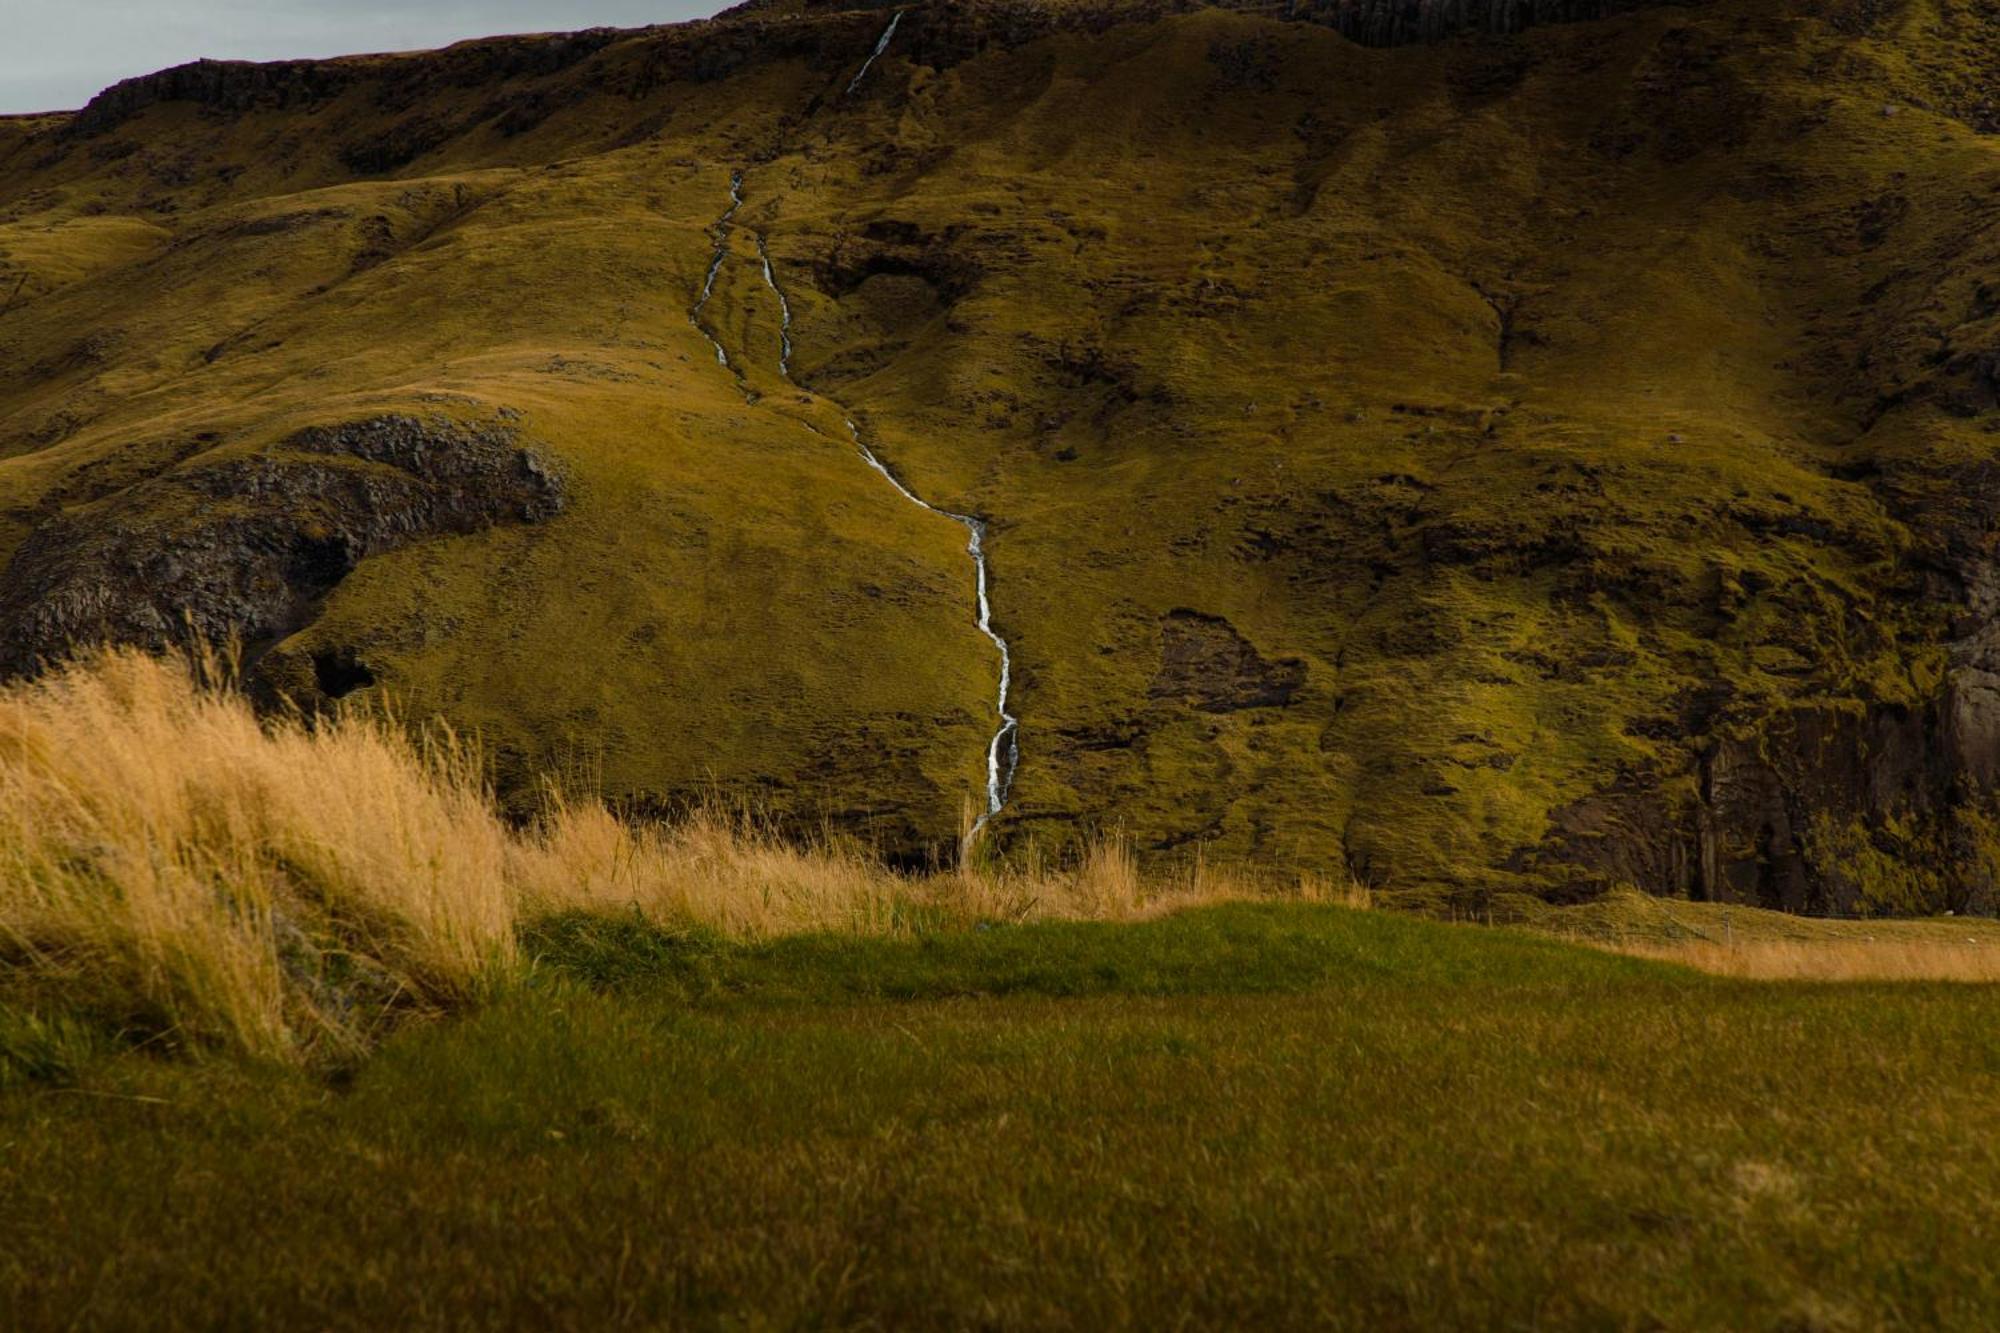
<point x="242" y="549"/>
<point x="1857" y="807"/>
<point x="1822" y="812"/>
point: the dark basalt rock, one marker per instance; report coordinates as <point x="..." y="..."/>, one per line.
<point x="230" y="87"/>
<point x="1849" y="807"/>
<point x="942" y="35"/>
<point x="1773" y="818"/>
<point x="1399" y="22"/>
<point x="237" y="87"/>
<point x="245" y="548"/>
<point x="938" y="35"/>
<point x="1206" y="664"/>
<point x="899" y="249"/>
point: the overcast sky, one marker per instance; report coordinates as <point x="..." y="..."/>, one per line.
<point x="55" y="54"/>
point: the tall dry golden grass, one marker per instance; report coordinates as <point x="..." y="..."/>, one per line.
<point x="1907" y="959"/>
<point x="282" y="887"/>
<point x="1757" y="944"/>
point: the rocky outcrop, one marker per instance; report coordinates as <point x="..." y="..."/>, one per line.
<point x="237" y="87"/>
<point x="1397" y="22"/>
<point x="1846" y="807"/>
<point x="938" y="35"/>
<point x="1830" y="811"/>
<point x="226" y="86"/>
<point x="899" y="249"/>
<point x="941" y="35"/>
<point x="1206" y="664"/>
<point x="245" y="548"/>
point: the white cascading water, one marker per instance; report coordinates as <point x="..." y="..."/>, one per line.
<point x="881" y="45"/>
<point x="784" y="308"/>
<point x="722" y="229"/>
<point x="1003" y="755"/>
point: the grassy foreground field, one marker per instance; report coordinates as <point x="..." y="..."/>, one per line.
<point x="1243" y="1115"/>
<point x="296" y="1032"/>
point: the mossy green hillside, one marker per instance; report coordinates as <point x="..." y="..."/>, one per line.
<point x="1385" y="450"/>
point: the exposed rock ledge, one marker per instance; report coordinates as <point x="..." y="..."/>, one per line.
<point x="934" y="34"/>
<point x="1843" y="807"/>
<point x="245" y="548"/>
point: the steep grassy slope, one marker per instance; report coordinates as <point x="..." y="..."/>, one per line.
<point x="1530" y="461"/>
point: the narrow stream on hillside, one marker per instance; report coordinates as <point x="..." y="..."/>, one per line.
<point x="722" y="230"/>
<point x="881" y="45"/>
<point x="1003" y="753"/>
<point x="784" y="309"/>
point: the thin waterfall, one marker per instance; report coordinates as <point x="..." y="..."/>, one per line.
<point x="1003" y="752"/>
<point x="881" y="45"/>
<point x="722" y="230"/>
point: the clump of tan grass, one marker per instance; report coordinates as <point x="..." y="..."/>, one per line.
<point x="1731" y="939"/>
<point x="729" y="872"/>
<point x="281" y="886"/>
<point x="166" y="855"/>
<point x="1926" y="958"/>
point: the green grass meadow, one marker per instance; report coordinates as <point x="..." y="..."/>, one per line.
<point x="1239" y="1116"/>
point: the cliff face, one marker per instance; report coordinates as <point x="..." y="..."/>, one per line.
<point x="1484" y="448"/>
<point x="943" y="33"/>
<point x="1836" y="806"/>
<point x="245" y="549"/>
<point x="1394" y="22"/>
<point x="236" y="88"/>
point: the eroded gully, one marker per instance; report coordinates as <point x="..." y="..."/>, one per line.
<point x="1003" y="754"/>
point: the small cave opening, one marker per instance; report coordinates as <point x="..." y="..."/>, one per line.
<point x="340" y="672"/>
